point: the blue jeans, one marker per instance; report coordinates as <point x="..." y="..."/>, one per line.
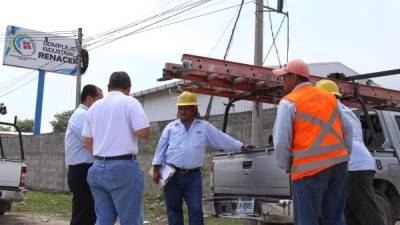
<point x="321" y="197"/>
<point x="188" y="187"/>
<point x="117" y="188"/>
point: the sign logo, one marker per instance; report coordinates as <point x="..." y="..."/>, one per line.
<point x="24" y="45"/>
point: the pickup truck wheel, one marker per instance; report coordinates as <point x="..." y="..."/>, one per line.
<point x="385" y="208"/>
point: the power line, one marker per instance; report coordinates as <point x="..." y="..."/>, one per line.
<point x="18" y="87"/>
<point x="115" y="31"/>
<point x="15" y="86"/>
<point x="195" y="17"/>
<point x="222" y="35"/>
<point x="273" y="37"/>
<point x="144" y="27"/>
<point x="272" y="44"/>
<point x="233" y="31"/>
<point x="209" y="106"/>
<point x="168" y="24"/>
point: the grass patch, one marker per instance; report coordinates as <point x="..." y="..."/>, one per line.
<point x="59" y="205"/>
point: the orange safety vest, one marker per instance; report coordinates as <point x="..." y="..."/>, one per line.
<point x="317" y="141"/>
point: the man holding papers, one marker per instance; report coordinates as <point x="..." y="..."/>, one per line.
<point x="182" y="146"/>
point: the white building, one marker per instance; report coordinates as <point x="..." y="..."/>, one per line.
<point x="159" y="102"/>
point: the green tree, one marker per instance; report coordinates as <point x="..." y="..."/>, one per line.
<point x="25" y="125"/>
<point x="5" y="128"/>
<point x="61" y="121"/>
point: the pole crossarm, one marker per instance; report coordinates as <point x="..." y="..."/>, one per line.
<point x="232" y="80"/>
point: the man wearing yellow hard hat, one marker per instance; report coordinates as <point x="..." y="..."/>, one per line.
<point x="361" y="207"/>
<point x="182" y="145"/>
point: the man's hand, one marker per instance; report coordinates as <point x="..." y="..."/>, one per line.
<point x="156" y="174"/>
<point x="247" y="147"/>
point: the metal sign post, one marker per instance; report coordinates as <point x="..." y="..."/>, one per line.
<point x="39" y="103"/>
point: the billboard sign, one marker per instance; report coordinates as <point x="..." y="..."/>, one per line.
<point x="42" y="51"/>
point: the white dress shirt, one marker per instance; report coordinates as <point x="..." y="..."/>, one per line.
<point x="75" y="150"/>
<point x="112" y="121"/>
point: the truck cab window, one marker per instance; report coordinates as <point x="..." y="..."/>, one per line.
<point x="377" y="131"/>
<point x="398" y="122"/>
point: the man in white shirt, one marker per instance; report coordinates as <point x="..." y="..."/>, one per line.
<point x="361" y="208"/>
<point x="79" y="159"/>
<point x="111" y="129"/>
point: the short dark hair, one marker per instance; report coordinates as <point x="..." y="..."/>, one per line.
<point x="88" y="90"/>
<point x="119" y="80"/>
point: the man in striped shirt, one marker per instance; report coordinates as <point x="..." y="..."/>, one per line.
<point x="78" y="159"/>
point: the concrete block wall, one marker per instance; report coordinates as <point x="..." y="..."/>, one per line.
<point x="44" y="154"/>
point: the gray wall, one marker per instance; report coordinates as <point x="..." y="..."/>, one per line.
<point x="44" y="154"/>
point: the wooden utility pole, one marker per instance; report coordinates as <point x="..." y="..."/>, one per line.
<point x="78" y="71"/>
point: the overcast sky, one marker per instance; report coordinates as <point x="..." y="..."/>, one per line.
<point x="362" y="34"/>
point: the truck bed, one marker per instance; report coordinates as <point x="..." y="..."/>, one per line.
<point x="10" y="174"/>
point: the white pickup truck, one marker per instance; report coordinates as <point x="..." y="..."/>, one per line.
<point x="250" y="185"/>
<point x="13" y="171"/>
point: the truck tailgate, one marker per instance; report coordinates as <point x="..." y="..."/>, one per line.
<point x="252" y="173"/>
<point x="10" y="173"/>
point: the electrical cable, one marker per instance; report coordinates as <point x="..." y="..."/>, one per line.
<point x="272" y="44"/>
<point x="273" y="37"/>
<point x="209" y="105"/>
<point x="164" y="25"/>
<point x="158" y="21"/>
<point x="223" y="34"/>
<point x="287" y="38"/>
<point x="115" y="31"/>
<point x="233" y="31"/>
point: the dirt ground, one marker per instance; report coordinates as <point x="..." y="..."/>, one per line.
<point x="30" y="219"/>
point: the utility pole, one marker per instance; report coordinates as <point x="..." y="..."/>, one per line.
<point x="78" y="71"/>
<point x="258" y="61"/>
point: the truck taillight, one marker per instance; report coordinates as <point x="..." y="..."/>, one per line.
<point x="24" y="171"/>
<point x="212" y="177"/>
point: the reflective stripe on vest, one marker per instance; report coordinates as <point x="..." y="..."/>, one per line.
<point x="316" y="148"/>
<point x="326" y="127"/>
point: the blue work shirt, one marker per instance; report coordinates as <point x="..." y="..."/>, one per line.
<point x="283" y="131"/>
<point x="75" y="150"/>
<point x="186" y="149"/>
<point x="360" y="158"/>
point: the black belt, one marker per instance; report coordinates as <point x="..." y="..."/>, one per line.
<point x="182" y="170"/>
<point x="81" y="165"/>
<point x="119" y="157"/>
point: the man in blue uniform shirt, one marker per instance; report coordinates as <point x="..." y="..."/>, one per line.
<point x="182" y="145"/>
<point x="79" y="159"/>
<point x="361" y="208"/>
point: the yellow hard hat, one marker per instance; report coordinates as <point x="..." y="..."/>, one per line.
<point x="329" y="86"/>
<point x="186" y="98"/>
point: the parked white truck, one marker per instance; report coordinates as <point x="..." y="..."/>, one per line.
<point x="13" y="171"/>
<point x="250" y="185"/>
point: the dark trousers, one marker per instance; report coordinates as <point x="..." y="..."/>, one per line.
<point x="361" y="208"/>
<point x="321" y="197"/>
<point x="82" y="201"/>
<point x="188" y="187"/>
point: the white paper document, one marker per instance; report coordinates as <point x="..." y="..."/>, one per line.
<point x="166" y="172"/>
